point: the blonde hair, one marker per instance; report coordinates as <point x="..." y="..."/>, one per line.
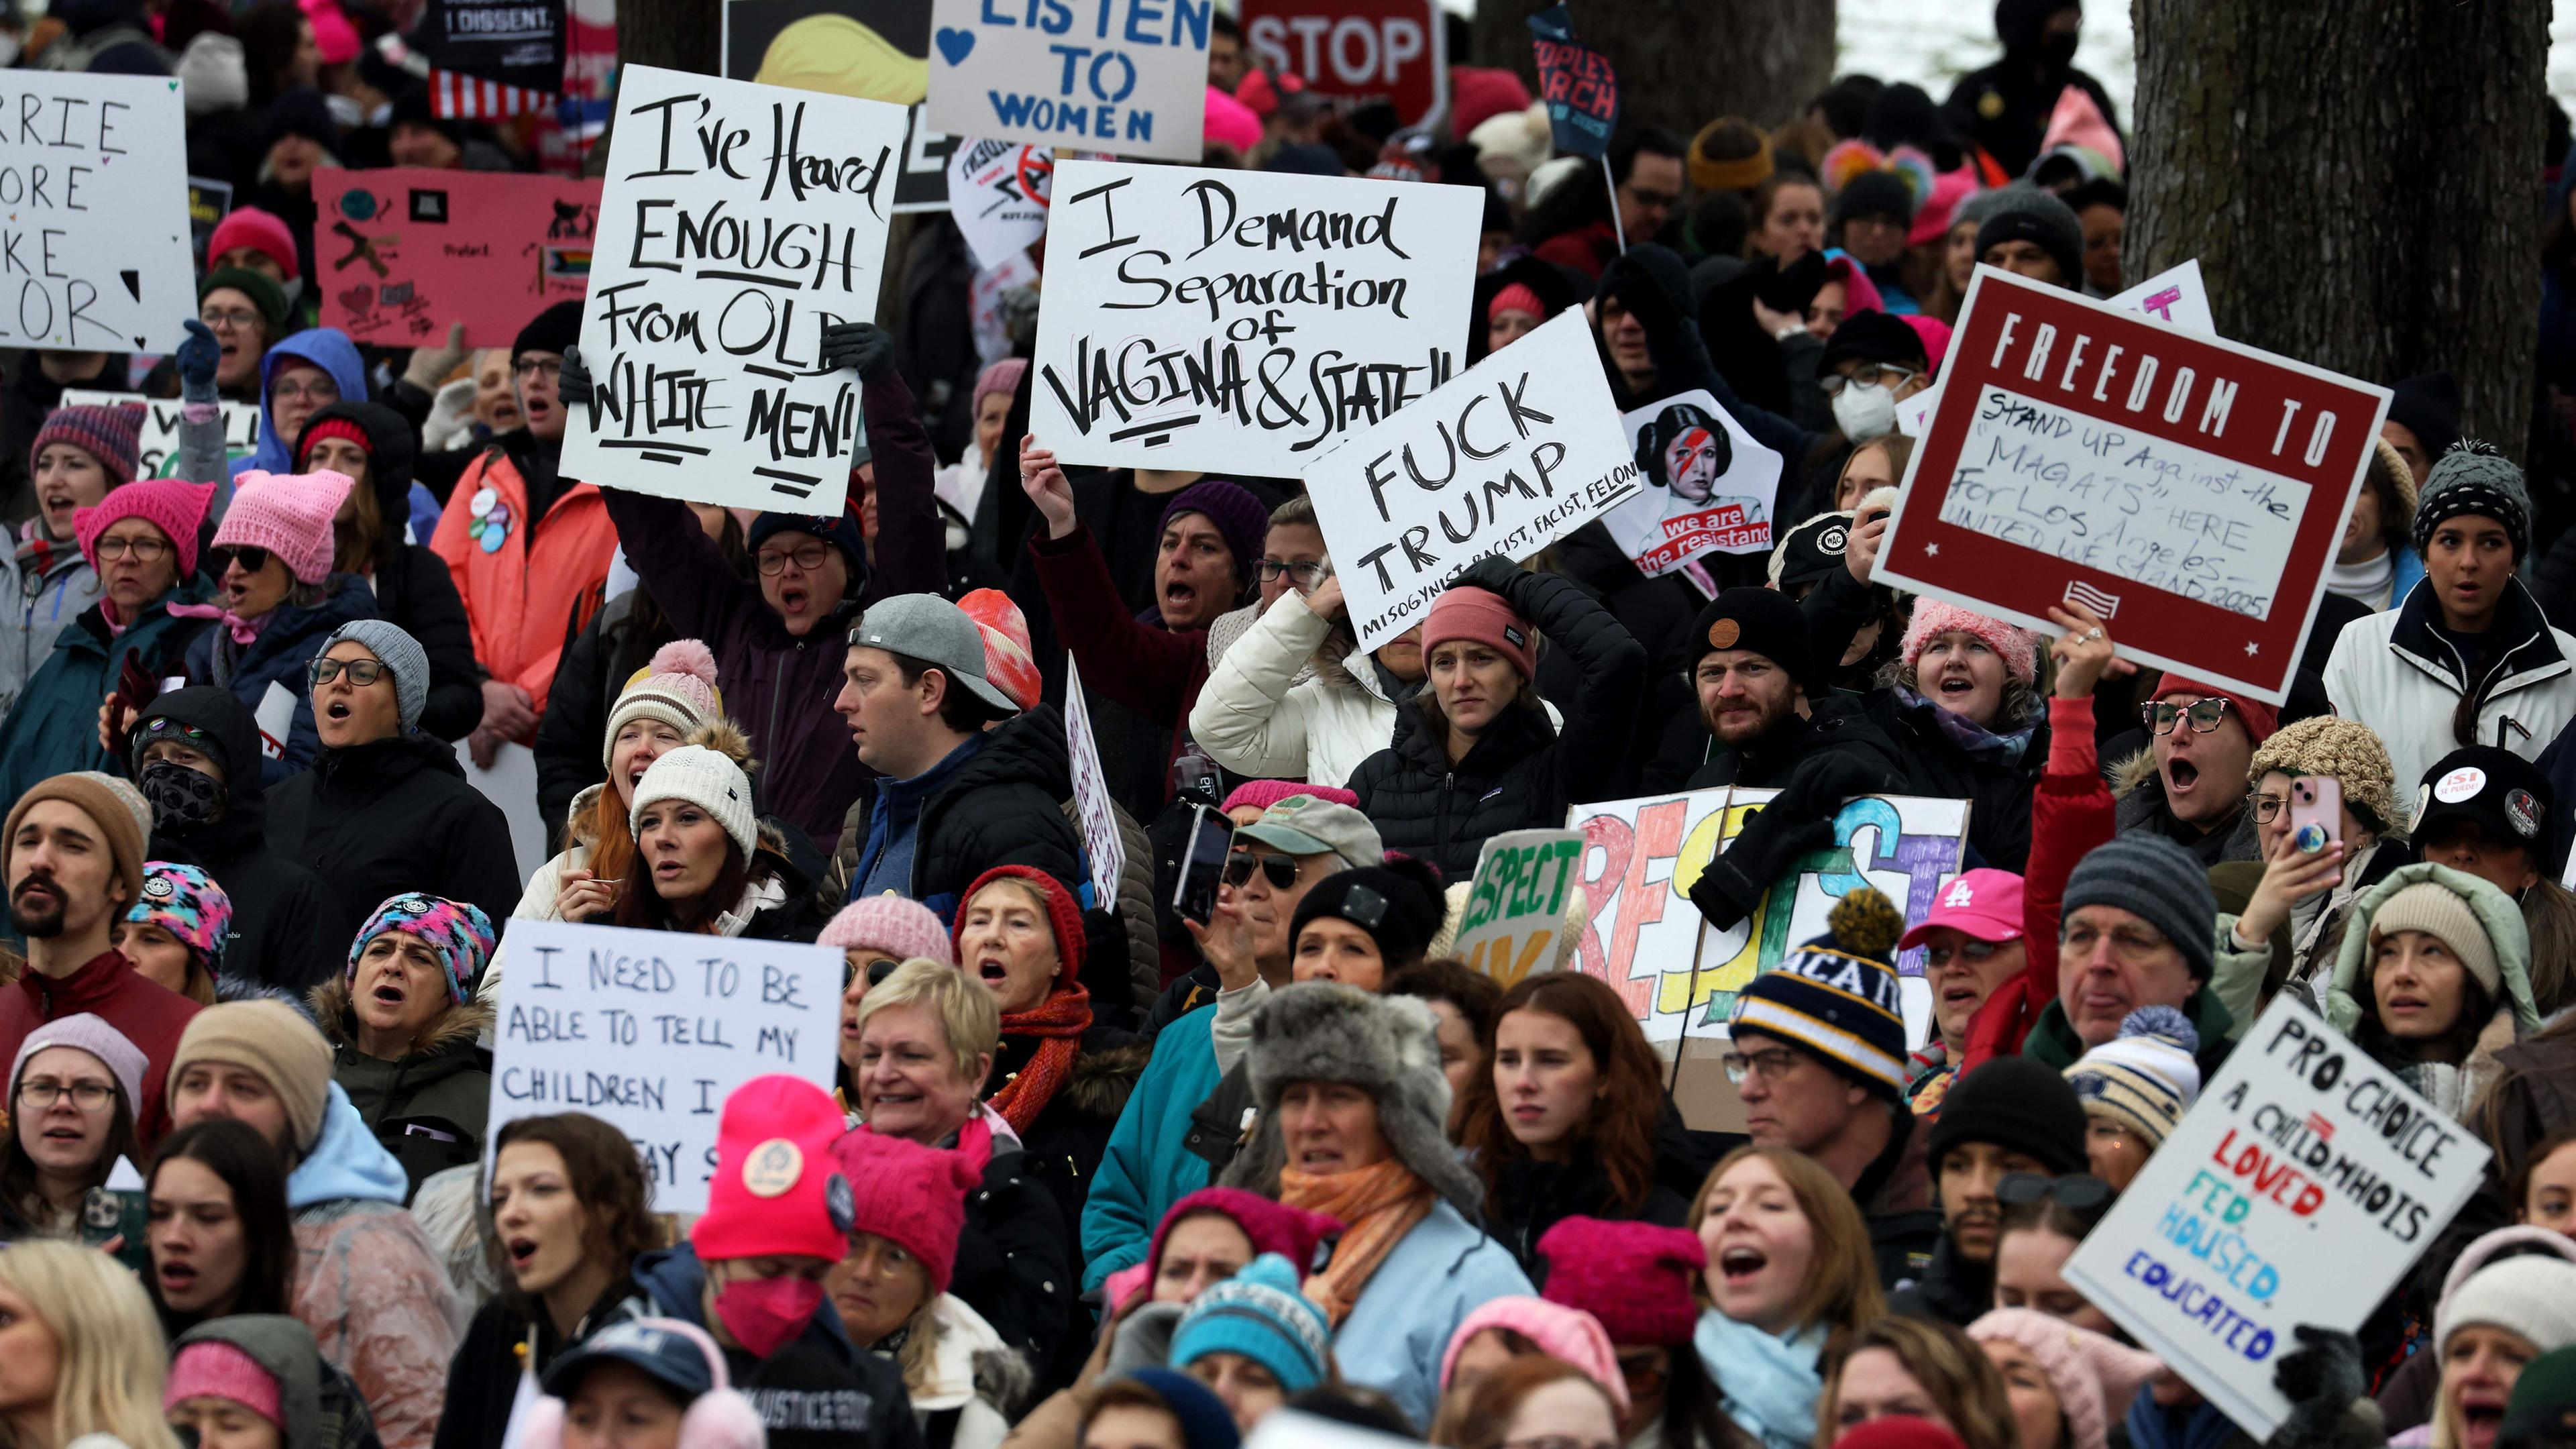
<point x="1842" y="1289"/>
<point x="1951" y="1367"/>
<point x="112" y="1362"/>
<point x="838" y="56"/>
<point x="967" y="1015"/>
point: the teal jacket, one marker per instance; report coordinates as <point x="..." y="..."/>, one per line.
<point x="53" y="727"/>
<point x="1149" y="1165"/>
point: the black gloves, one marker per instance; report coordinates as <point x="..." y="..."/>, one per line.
<point x="2321" y="1379"/>
<point x="862" y="347"/>
<point x="1773" y="840"/>
<point x="573" y="386"/>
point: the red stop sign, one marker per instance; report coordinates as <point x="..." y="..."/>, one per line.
<point x="1390" y="50"/>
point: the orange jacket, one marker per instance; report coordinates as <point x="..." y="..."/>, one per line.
<point x="524" y="606"/>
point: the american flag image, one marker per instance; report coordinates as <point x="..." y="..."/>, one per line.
<point x="456" y="97"/>
<point x="2102" y="604"/>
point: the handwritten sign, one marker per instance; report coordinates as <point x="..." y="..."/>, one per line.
<point x="1101" y="845"/>
<point x="1357" y="50"/>
<point x="1126" y="76"/>
<point x="1517" y="451"/>
<point x="159" y="454"/>
<point x="1577" y="82"/>
<point x="2304" y="1183"/>
<point x="2176" y="296"/>
<point x="403" y="252"/>
<point x="2080" y="447"/>
<point x="1709" y="487"/>
<point x="997" y="193"/>
<point x="1517" y="904"/>
<point x="95" y="251"/>
<point x="650" y="1030"/>
<point x="739" y="221"/>
<point x="1243" y="321"/>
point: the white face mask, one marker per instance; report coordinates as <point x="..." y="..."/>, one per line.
<point x="1865" y="411"/>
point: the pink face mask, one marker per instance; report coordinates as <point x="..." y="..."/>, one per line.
<point x="764" y="1315"/>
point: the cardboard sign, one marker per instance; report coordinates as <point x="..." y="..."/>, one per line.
<point x="1709" y="487"/>
<point x="1101" y="845"/>
<point x="739" y="222"/>
<point x="158" y="456"/>
<point x="1577" y="82"/>
<point x="997" y="194"/>
<point x="404" y="252"/>
<point x="1359" y="50"/>
<point x="1510" y="455"/>
<point x="2300" y="1188"/>
<point x="651" y="1030"/>
<point x="875" y="50"/>
<point x="508" y="42"/>
<point x="1517" y="903"/>
<point x="2081" y="449"/>
<point x="1125" y="76"/>
<point x="1245" y="322"/>
<point x="2176" y="296"/>
<point x="95" y="252"/>
<point x="1641" y="858"/>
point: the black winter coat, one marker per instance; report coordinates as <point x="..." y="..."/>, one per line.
<point x="483" y="1377"/>
<point x="1837" y="728"/>
<point x="1005" y="807"/>
<point x="1529" y="1197"/>
<point x="392" y="816"/>
<point x="1063" y="1146"/>
<point x="1936" y="765"/>
<point x="1521" y="773"/>
<point x="1011" y="1264"/>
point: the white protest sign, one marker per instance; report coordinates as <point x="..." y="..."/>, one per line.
<point x="1243" y="321"/>
<point x="2175" y="295"/>
<point x="2304" y="1183"/>
<point x="94" y="248"/>
<point x="1128" y="76"/>
<point x="1517" y="903"/>
<point x="159" y="453"/>
<point x="1517" y="451"/>
<point x="650" y="1030"/>
<point x="1100" y="843"/>
<point x="997" y="193"/>
<point x="738" y="221"/>
<point x="1709" y="487"/>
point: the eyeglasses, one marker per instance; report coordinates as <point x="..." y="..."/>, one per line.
<point x="1281" y="870"/>
<point x="1771" y="1065"/>
<point x="549" y="368"/>
<point x="2267" y="808"/>
<point x="1972" y="950"/>
<point x="144" y="550"/>
<point x="41" y="1093"/>
<point x="1867" y="374"/>
<point x="2204" y="715"/>
<point x="2077" y="1192"/>
<point x="361" y="672"/>
<point x="1304" y="575"/>
<point x="320" y="390"/>
<point x="808" y="556"/>
<point x="252" y="560"/>
<point x="232" y="320"/>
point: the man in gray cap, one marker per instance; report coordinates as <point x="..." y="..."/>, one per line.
<point x="969" y="781"/>
<point x="2139" y="928"/>
<point x="2033" y="234"/>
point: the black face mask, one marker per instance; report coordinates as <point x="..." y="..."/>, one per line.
<point x="2058" y="50"/>
<point x="181" y="798"/>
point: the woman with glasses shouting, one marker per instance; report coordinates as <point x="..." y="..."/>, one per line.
<point x="71" y="1107"/>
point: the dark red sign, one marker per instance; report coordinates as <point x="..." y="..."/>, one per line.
<point x="2190" y="490"/>
<point x="1389" y="50"/>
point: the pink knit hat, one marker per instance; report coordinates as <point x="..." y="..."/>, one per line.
<point x="1860" y="294"/>
<point x="777" y="1190"/>
<point x="221" y="1370"/>
<point x="175" y="508"/>
<point x="1932" y="218"/>
<point x="1567" y="1334"/>
<point x="111" y="433"/>
<point x="1008" y="661"/>
<point x="333" y="33"/>
<point x="2016" y="647"/>
<point x="289" y="514"/>
<point x="1464" y="611"/>
<point x="900" y="928"/>
<point x="1231" y="122"/>
<point x="1635" y="1278"/>
<point x="1262" y="794"/>
<point x="910" y="1195"/>
<point x="2094" y="1376"/>
<point x="1003" y="377"/>
<point x="677" y="687"/>
<point x="248" y="226"/>
<point x="1272" y="1227"/>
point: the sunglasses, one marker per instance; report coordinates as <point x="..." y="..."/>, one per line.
<point x="1281" y="870"/>
<point x="252" y="560"/>
<point x="2077" y="1192"/>
<point x="878" y="971"/>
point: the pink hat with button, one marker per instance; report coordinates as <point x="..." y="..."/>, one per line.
<point x="1984" y="905"/>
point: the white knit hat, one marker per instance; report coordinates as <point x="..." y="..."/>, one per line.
<point x="705" y="778"/>
<point x="2533" y="1295"/>
<point x="677" y="687"/>
<point x="2144" y="1078"/>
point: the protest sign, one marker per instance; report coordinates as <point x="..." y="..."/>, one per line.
<point x="406" y="251"/>
<point x="650" y="1030"/>
<point x="1708" y="486"/>
<point x="159" y="455"/>
<point x="1517" y="903"/>
<point x="875" y="50"/>
<point x="507" y="42"/>
<point x="1577" y="83"/>
<point x="1510" y="455"/>
<point x="1101" y="845"/>
<point x="739" y="221"/>
<point x="208" y="202"/>
<point x="2079" y="447"/>
<point x="997" y="192"/>
<point x="95" y="247"/>
<point x="1357" y="50"/>
<point x="1243" y="321"/>
<point x="2304" y="1183"/>
<point x="2175" y="295"/>
<point x="1127" y="76"/>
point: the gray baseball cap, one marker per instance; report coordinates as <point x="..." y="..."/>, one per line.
<point x="931" y="629"/>
<point x="1312" y="825"/>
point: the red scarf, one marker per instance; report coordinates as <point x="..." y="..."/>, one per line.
<point x="1061" y="1020"/>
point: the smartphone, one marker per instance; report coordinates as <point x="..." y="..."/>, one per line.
<point x="1202" y="864"/>
<point x="2316" y="812"/>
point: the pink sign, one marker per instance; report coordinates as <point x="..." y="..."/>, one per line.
<point x="403" y="252"/>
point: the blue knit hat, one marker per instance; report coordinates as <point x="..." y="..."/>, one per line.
<point x="1260" y="1314"/>
<point x="1836" y="996"/>
<point x="398" y="652"/>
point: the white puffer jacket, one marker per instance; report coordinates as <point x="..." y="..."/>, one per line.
<point x="1256" y="718"/>
<point x="2394" y="673"/>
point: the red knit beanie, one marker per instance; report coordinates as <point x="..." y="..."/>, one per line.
<point x="1262" y="794"/>
<point x="1464" y="611"/>
<point x="776" y="1189"/>
<point x="1064" y="917"/>
<point x="1273" y="1227"/>
<point x="910" y="1195"/>
<point x="344" y="428"/>
<point x="1635" y="1277"/>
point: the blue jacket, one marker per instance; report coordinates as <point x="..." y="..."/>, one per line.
<point x="327" y="348"/>
<point x="278" y="656"/>
<point x="1148" y="1166"/>
<point x="1443" y="1270"/>
<point x="347" y="1163"/>
<point x="53" y="727"/>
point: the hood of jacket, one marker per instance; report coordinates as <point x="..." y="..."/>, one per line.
<point x="970" y="1362"/>
<point x="347" y="1162"/>
<point x="391" y="454"/>
<point x="1027" y="749"/>
<point x="284" y="1346"/>
<point x="1653" y="284"/>
<point x="216" y="711"/>
<point x="452" y="1034"/>
<point x="327" y="348"/>
<point x="2495" y="911"/>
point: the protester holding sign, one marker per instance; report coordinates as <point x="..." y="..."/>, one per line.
<point x="1295" y="699"/>
<point x="1962" y="704"/>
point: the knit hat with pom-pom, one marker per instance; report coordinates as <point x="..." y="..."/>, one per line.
<point x="1836" y="996"/>
<point x="2472" y="477"/>
<point x="677" y="688"/>
<point x="2146" y="1077"/>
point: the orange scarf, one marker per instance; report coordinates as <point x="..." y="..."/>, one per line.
<point x="1061" y="1020"/>
<point x="1381" y="1202"/>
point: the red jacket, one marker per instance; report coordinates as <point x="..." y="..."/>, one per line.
<point x="2070" y="813"/>
<point x="151" y="1015"/>
<point x="1154" y="671"/>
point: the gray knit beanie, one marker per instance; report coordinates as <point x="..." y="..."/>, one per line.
<point x="2027" y="213"/>
<point x="2161" y="883"/>
<point x="2474" y="478"/>
<point x="398" y="652"/>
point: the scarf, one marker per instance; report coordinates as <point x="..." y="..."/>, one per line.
<point x="1766" y="1382"/>
<point x="244" y="632"/>
<point x="1973" y="739"/>
<point x="1060" y="1020"/>
<point x="1382" y="1202"/>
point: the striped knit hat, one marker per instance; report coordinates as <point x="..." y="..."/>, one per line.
<point x="2144" y="1078"/>
<point x="112" y="434"/>
<point x="676" y="687"/>
<point x="1837" y="996"/>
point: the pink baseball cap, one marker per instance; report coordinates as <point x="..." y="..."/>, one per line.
<point x="1983" y="904"/>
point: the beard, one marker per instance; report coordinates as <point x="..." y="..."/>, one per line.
<point x="42" y="918"/>
<point x="1743" y="727"/>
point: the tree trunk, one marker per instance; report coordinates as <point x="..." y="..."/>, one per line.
<point x="2361" y="182"/>
<point x="673" y="34"/>
<point x="1760" y="59"/>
